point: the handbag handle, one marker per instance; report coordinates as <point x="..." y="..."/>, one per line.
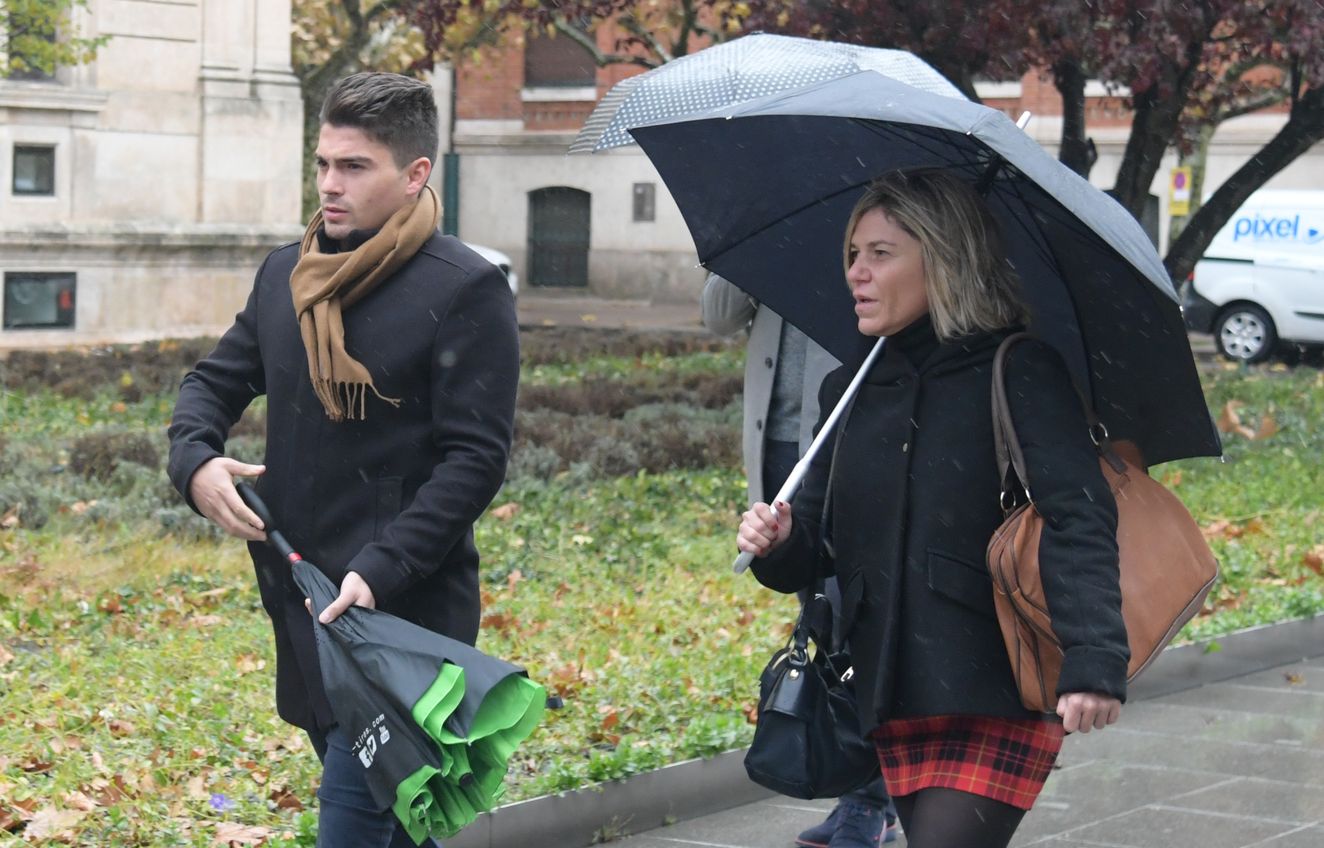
<point x="1010" y="458"/>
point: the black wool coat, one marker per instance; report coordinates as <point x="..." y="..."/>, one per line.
<point x="393" y="496"/>
<point x="915" y="499"/>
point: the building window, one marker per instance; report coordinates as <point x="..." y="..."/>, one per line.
<point x="557" y="62"/>
<point x="35" y="300"/>
<point x="34" y="171"/>
<point x="645" y="201"/>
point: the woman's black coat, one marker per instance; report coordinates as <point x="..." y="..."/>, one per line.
<point x="394" y="496"/>
<point x="915" y="499"/>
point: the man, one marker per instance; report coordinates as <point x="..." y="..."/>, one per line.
<point x="389" y="356"/>
<point x="783" y="370"/>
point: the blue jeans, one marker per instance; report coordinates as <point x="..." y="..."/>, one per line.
<point x="348" y="817"/>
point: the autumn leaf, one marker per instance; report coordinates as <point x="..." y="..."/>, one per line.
<point x="1268" y="426"/>
<point x="506" y="511"/>
<point x="1314" y="560"/>
<point x="1230" y="421"/>
<point x="231" y="833"/>
<point x="50" y="823"/>
<point x="249" y="663"/>
<point x="513" y="579"/>
<point x="1294" y="678"/>
<point x="284" y="799"/>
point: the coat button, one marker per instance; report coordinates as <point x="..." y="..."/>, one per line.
<point x="767" y="360"/>
<point x="758" y="425"/>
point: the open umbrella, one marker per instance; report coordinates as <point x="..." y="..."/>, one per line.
<point x="766" y="188"/>
<point x="433" y="721"/>
<point x="741" y="69"/>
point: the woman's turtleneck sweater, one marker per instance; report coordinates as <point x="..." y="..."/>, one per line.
<point x="917" y="341"/>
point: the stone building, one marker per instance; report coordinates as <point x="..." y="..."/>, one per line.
<point x="139" y="192"/>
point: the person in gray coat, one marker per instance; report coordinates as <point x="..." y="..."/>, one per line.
<point x="783" y="372"/>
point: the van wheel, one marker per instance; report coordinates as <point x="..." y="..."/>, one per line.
<point x="1245" y="333"/>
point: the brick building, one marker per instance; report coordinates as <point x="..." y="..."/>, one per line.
<point x="605" y="222"/>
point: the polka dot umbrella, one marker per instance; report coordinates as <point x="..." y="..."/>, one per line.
<point x="742" y="69"/>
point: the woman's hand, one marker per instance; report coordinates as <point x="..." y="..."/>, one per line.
<point x="762" y="528"/>
<point x="1086" y="711"/>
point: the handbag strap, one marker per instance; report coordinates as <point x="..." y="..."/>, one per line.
<point x="825" y="519"/>
<point x="1010" y="458"/>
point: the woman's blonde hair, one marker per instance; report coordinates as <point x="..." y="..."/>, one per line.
<point x="970" y="285"/>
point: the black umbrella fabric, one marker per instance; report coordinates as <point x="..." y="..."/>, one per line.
<point x="766" y="188"/>
<point x="433" y="721"/>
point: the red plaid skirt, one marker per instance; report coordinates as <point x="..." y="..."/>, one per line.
<point x="1005" y="759"/>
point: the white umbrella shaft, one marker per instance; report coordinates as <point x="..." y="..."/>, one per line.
<point x="825" y="432"/>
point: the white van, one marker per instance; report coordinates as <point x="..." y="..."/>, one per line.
<point x="1261" y="282"/>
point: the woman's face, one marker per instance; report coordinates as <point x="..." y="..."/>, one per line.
<point x="886" y="275"/>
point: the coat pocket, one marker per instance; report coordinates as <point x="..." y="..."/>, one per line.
<point x="965" y="583"/>
<point x="390" y="494"/>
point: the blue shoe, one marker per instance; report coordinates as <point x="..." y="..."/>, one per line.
<point x="859" y="826"/>
<point x="820" y="834"/>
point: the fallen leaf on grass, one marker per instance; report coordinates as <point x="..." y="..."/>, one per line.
<point x="230" y="833"/>
<point x="284" y="799"/>
<point x="1314" y="560"/>
<point x="5" y="655"/>
<point x="506" y="511"/>
<point x="249" y="663"/>
<point x="50" y="823"/>
<point x="1230" y="421"/>
<point x="78" y="801"/>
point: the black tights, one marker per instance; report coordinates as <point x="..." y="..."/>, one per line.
<point x="950" y="818"/>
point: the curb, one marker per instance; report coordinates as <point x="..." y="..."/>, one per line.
<point x="584" y="817"/>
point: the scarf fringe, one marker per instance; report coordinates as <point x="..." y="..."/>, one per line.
<point x="347" y="400"/>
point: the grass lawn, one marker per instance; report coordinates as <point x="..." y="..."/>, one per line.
<point x="135" y="660"/>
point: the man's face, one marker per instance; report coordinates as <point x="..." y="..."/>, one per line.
<point x="358" y="182"/>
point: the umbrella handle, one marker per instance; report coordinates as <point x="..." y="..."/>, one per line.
<point x="259" y="506"/>
<point x="797" y="474"/>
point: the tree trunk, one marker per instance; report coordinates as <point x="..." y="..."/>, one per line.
<point x="1075" y="152"/>
<point x="1154" y="125"/>
<point x="1303" y="129"/>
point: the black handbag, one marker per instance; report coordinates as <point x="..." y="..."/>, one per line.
<point x="808" y="743"/>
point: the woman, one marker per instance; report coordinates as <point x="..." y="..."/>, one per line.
<point x="914" y="498"/>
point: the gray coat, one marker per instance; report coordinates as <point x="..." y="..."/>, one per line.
<point x="728" y="310"/>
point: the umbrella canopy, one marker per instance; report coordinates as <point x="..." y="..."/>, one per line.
<point x="753" y="66"/>
<point x="766" y="188"/>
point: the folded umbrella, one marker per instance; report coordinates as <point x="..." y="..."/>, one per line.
<point x="766" y="188"/>
<point x="433" y="721"/>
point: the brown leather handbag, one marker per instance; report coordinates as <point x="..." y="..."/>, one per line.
<point x="1166" y="567"/>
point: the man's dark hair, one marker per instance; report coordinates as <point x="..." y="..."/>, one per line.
<point x="396" y="110"/>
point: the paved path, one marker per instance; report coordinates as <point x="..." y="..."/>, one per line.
<point x="1235" y="764"/>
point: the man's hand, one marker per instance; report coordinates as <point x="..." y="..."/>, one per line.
<point x="1084" y="711"/>
<point x="213" y="493"/>
<point x="354" y="592"/>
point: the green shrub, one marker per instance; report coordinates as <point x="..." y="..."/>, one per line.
<point x="97" y="454"/>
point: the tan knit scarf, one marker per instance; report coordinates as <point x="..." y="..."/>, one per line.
<point x="325" y="284"/>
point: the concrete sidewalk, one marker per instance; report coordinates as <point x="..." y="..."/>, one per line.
<point x="1232" y="764"/>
